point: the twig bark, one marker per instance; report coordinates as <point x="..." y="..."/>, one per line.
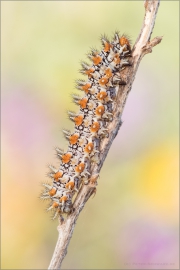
<point x="142" y="46"/>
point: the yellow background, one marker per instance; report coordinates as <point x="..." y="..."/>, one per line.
<point x="132" y="222"/>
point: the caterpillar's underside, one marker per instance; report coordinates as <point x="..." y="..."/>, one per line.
<point x="91" y="122"/>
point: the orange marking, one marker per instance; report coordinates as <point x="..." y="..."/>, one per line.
<point x="101" y="95"/>
<point x="63" y="199"/>
<point x="103" y="81"/>
<point x="58" y="175"/>
<point x="74" y="138"/>
<point x="107" y="46"/>
<point x="100" y="110"/>
<point x="95" y="127"/>
<point x="80" y="168"/>
<point x="86" y="87"/>
<point x="78" y="120"/>
<point x="123" y="40"/>
<point x="108" y="73"/>
<point x="116" y="59"/>
<point x="83" y="103"/>
<point x="55" y="205"/>
<point x="89" y="148"/>
<point x="89" y="71"/>
<point x="70" y="185"/>
<point x="96" y="60"/>
<point x="52" y="192"/>
<point x="66" y="157"/>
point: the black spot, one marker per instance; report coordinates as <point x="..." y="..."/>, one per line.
<point x="74" y="146"/>
<point x="112" y="91"/>
<point x="109" y="106"/>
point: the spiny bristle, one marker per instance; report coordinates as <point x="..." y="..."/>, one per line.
<point x="93" y="51"/>
<point x="80" y="82"/>
<point x="59" y="152"/>
<point x="85" y="65"/>
<point x="49" y="175"/>
<point x="52" y="168"/>
<point x="76" y="98"/>
<point x="45" y="182"/>
<point x="116" y="34"/>
<point x="66" y="133"/>
<point x="116" y="37"/>
<point x="71" y="114"/>
<point x="44" y="197"/>
<point x="104" y="36"/>
<point x="90" y="56"/>
<point x="104" y="39"/>
<point x="55" y="215"/>
<point x="47" y="186"/>
<point x="82" y="71"/>
<point x="50" y="208"/>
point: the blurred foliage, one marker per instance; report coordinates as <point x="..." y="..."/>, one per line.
<point x="132" y="222"/>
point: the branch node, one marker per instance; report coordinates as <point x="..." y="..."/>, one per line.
<point x="148" y="47"/>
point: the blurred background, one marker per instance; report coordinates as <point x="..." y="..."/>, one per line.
<point x="132" y="222"/>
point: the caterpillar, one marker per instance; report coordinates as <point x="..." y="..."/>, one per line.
<point x="91" y="122"/>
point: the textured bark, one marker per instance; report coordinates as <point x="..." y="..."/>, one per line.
<point x="142" y="46"/>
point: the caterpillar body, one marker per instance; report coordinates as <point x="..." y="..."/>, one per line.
<point x="91" y="122"/>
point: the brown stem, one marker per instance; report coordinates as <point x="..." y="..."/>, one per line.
<point x="142" y="46"/>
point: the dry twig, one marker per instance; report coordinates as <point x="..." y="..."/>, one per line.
<point x="142" y="46"/>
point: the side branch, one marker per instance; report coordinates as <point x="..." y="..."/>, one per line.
<point x="142" y="46"/>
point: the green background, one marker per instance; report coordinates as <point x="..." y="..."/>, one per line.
<point x="132" y="222"/>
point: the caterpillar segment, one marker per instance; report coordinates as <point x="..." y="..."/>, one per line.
<point x="96" y="106"/>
